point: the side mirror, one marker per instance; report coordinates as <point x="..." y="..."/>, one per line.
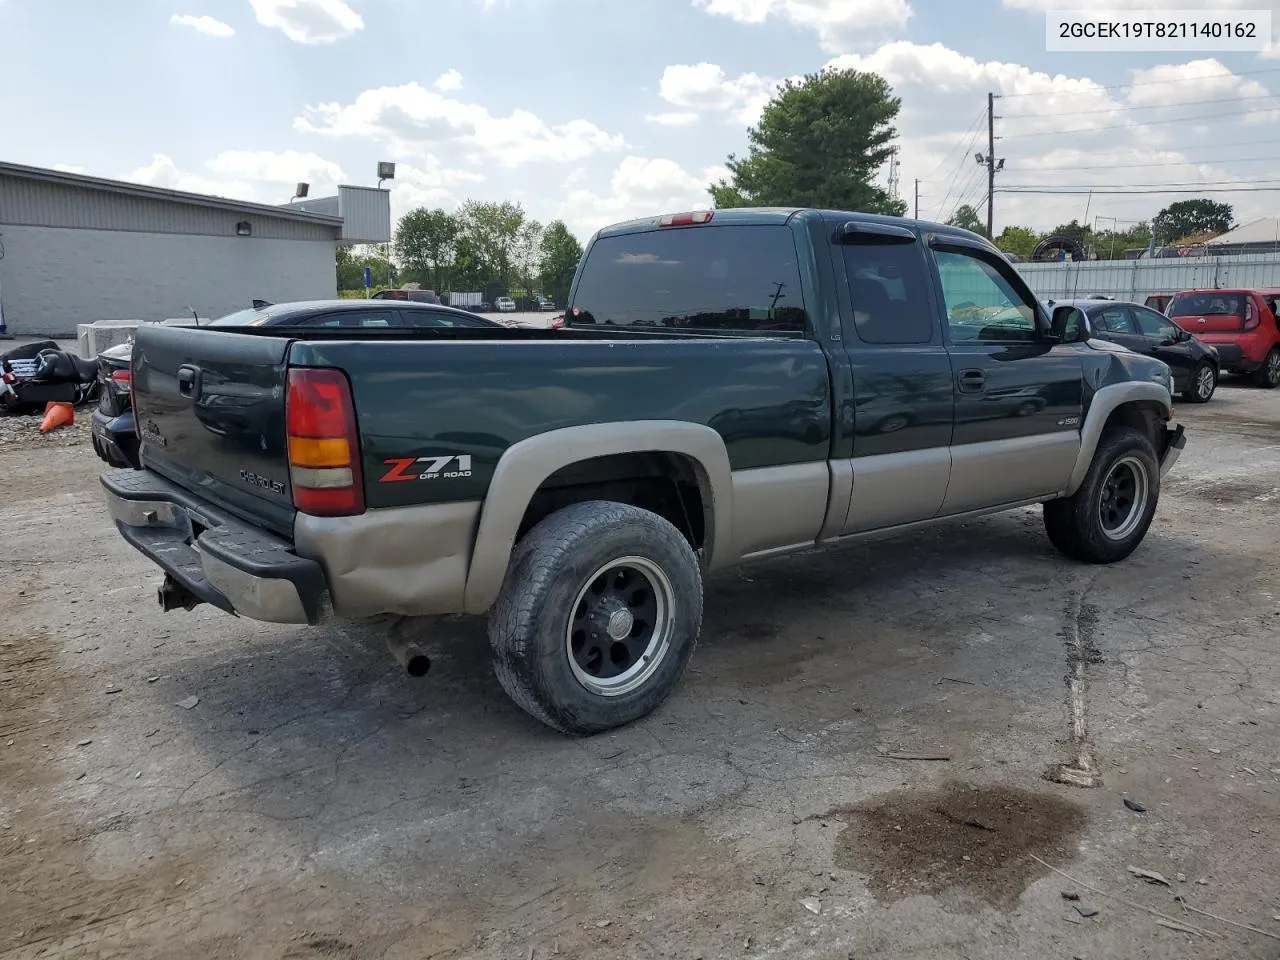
<point x="1069" y="325"/>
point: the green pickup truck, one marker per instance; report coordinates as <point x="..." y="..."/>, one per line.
<point x="729" y="385"/>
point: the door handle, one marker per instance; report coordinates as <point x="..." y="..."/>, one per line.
<point x="188" y="381"/>
<point x="971" y="381"/>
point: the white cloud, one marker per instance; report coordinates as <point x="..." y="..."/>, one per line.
<point x="257" y="175"/>
<point x="69" y="168"/>
<point x="284" y="167"/>
<point x="414" y="119"/>
<point x="163" y="172"/>
<point x="429" y="183"/>
<point x="309" y="21"/>
<point x="674" y="118"/>
<point x="1056" y="131"/>
<point x="706" y="87"/>
<point x="206" y="25"/>
<point x="840" y="24"/>
<point x="639" y="187"/>
<point x="449" y="81"/>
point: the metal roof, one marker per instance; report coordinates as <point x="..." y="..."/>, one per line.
<point x="160" y="193"/>
<point x="1264" y="230"/>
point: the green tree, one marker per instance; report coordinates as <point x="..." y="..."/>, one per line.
<point x="1018" y="240"/>
<point x="819" y="143"/>
<point x="425" y="245"/>
<point x="526" y="255"/>
<point x="966" y="218"/>
<point x="350" y="263"/>
<point x="1187" y="217"/>
<point x="488" y="233"/>
<point x="561" y="253"/>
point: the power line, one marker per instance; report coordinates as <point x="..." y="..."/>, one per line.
<point x="1170" y="183"/>
<point x="1138" y="123"/>
<point x="956" y="176"/>
<point x="946" y="159"/>
<point x="1148" y="106"/>
<point x="1093" y="88"/>
<point x="1098" y="191"/>
<point x="1161" y="163"/>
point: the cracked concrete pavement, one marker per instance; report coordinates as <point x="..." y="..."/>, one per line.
<point x="316" y="802"/>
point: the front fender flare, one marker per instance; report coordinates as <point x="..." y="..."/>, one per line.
<point x="524" y="466"/>
<point x="1105" y="402"/>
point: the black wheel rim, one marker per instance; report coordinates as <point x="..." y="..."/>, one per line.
<point x="1273" y="368"/>
<point x="620" y="626"/>
<point x="1123" y="498"/>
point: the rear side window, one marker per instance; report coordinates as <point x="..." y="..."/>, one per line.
<point x="887" y="284"/>
<point x="1207" y="305"/>
<point x="739" y="279"/>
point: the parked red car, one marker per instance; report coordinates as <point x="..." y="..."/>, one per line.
<point x="1242" y="324"/>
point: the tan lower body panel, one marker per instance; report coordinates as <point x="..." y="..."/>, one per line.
<point x="776" y="508"/>
<point x="894" y="488"/>
<point x="407" y="560"/>
<point x="1004" y="471"/>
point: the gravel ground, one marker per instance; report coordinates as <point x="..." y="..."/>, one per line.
<point x="193" y="785"/>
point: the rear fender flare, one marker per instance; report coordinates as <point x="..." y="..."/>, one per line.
<point x="524" y="466"/>
<point x="1105" y="402"/>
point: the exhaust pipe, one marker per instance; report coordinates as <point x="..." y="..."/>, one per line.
<point x="174" y="596"/>
<point x="412" y="657"/>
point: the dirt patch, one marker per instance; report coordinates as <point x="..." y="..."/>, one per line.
<point x="977" y="838"/>
<point x="1231" y="492"/>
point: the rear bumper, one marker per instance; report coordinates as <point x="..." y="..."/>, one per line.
<point x="1231" y="357"/>
<point x="1173" y="442"/>
<point x="218" y="558"/>
<point x="114" y="439"/>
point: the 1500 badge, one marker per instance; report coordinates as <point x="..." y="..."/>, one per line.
<point x="426" y="468"/>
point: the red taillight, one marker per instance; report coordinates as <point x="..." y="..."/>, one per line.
<point x="121" y="376"/>
<point x="1251" y="318"/>
<point x="685" y="219"/>
<point x="324" y="448"/>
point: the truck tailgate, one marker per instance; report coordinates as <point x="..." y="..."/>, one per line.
<point x="210" y="408"/>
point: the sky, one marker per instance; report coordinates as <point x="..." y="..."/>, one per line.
<point x="595" y="111"/>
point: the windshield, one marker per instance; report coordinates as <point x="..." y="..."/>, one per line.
<point x="1212" y="304"/>
<point x="241" y="318"/>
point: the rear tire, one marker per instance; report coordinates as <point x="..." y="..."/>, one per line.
<point x="598" y="616"/>
<point x="1106" y="519"/>
<point x="1203" y="383"/>
<point x="1268" y="375"/>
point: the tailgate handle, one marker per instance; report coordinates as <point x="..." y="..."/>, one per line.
<point x="189" y="380"/>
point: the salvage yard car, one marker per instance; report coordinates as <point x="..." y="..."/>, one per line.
<point x="702" y="407"/>
<point x="1242" y="325"/>
<point x="1194" y="365"/>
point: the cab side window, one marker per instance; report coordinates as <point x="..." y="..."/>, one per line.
<point x="1115" y="320"/>
<point x="981" y="305"/>
<point x="887" y="287"/>
<point x="1154" y="326"/>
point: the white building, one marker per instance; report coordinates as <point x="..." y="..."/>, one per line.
<point x="79" y="249"/>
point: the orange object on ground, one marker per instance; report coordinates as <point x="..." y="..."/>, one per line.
<point x="57" y="415"/>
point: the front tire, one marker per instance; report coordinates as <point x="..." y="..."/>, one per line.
<point x="1203" y="383"/>
<point x="598" y="617"/>
<point x="1268" y="374"/>
<point x="1106" y="519"/>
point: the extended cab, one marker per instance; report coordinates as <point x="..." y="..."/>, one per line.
<point x="730" y="386"/>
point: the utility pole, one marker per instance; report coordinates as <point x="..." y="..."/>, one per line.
<point x="993" y="165"/>
<point x="917" y="198"/>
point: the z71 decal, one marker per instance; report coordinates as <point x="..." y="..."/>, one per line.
<point x="426" y="468"/>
